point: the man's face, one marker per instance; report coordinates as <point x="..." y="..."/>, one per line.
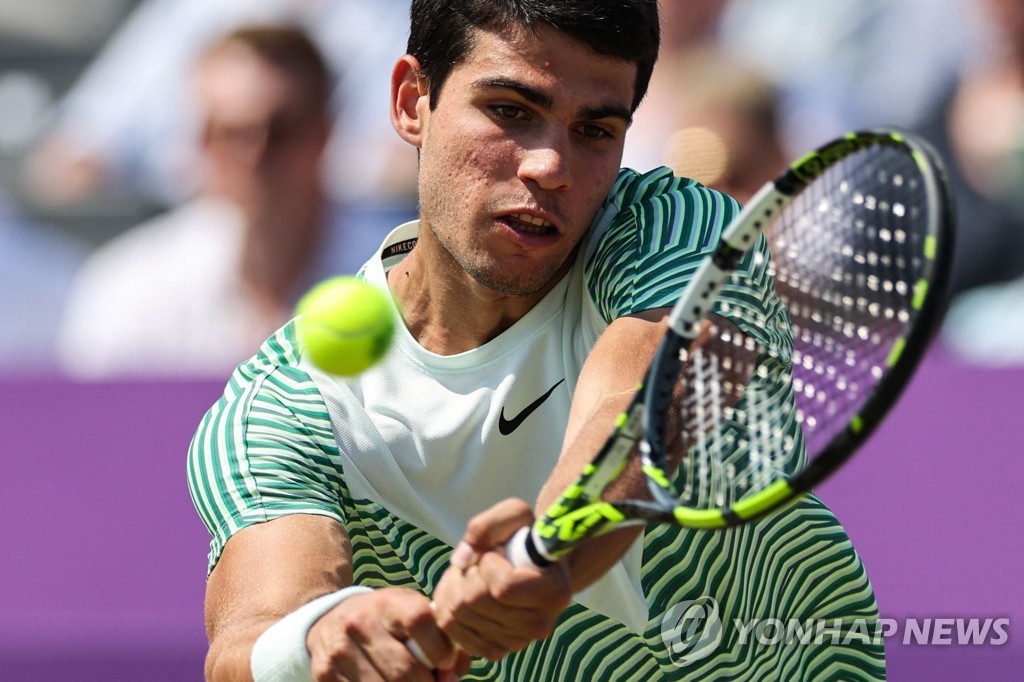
<point x="521" y="150"/>
<point x="264" y="136"/>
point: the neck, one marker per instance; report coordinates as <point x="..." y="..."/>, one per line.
<point x="446" y="310"/>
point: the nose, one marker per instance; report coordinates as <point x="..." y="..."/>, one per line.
<point x="547" y="164"/>
<point x="251" y="146"/>
<point x="243" y="145"/>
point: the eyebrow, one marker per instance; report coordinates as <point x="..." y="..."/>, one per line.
<point x="547" y="102"/>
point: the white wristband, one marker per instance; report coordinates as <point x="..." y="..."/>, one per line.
<point x="280" y="653"/>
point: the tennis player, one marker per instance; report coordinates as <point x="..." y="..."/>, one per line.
<point x="532" y="291"/>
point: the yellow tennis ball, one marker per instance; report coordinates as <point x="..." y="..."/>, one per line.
<point x="345" y="325"/>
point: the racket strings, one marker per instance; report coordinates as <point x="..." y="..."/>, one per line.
<point x="847" y="259"/>
<point x="775" y="381"/>
<point x="732" y="417"/>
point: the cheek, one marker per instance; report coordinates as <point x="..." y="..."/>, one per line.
<point x="593" y="180"/>
<point x="595" y="176"/>
<point x="463" y="165"/>
<point x="483" y="163"/>
<point x="476" y="145"/>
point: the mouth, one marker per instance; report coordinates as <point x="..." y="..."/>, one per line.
<point x="529" y="224"/>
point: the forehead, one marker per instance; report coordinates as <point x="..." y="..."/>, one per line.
<point x="237" y="83"/>
<point x="547" y="59"/>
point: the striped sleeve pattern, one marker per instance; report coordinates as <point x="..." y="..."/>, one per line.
<point x="664" y="229"/>
<point x="265" y="449"/>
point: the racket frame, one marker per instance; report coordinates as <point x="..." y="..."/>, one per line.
<point x="579" y="513"/>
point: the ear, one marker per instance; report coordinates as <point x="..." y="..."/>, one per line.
<point x="410" y="107"/>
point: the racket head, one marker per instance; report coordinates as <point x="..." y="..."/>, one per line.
<point x="883" y="339"/>
<point x="857" y="245"/>
<point x="850" y="249"/>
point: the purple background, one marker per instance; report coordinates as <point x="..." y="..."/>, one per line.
<point x="103" y="558"/>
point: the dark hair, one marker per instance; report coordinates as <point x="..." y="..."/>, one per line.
<point x="285" y="47"/>
<point x="442" y="32"/>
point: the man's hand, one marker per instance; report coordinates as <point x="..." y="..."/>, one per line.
<point x="271" y="569"/>
<point x="487" y="606"/>
<point x="363" y="638"/>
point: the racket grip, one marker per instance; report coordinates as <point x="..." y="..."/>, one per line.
<point x="417" y="652"/>
<point x="522" y="549"/>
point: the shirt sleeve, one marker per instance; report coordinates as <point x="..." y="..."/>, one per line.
<point x="265" y="449"/>
<point x="663" y="228"/>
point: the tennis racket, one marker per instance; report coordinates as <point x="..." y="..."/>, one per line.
<point x="765" y="401"/>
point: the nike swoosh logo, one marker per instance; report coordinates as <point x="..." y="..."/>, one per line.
<point x="507" y="426"/>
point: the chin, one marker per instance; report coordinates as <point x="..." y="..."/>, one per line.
<point x="515" y="284"/>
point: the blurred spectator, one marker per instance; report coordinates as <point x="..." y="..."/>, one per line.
<point x="36" y="268"/>
<point x="846" y="64"/>
<point x="983" y="128"/>
<point x="985" y="131"/>
<point x="990" y="236"/>
<point x="685" y="26"/>
<point x="194" y="291"/>
<point x="726" y="118"/>
<point x="987" y="114"/>
<point x="122" y="130"/>
<point x="708" y="115"/>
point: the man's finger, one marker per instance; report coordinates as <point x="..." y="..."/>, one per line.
<point x="491" y="529"/>
<point x="525" y="587"/>
<point x="392" y="659"/>
<point x="431" y="646"/>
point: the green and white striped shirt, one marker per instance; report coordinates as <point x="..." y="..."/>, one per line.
<point x="406" y="453"/>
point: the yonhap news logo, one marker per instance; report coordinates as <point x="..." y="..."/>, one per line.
<point x="691" y="630"/>
<point x="847" y="631"/>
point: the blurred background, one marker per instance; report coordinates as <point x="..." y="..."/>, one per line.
<point x="175" y="173"/>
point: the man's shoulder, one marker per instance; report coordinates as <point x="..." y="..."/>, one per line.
<point x="647" y="238"/>
<point x="659" y="200"/>
<point x="275" y="367"/>
<point x="656" y="204"/>
<point x="632" y="187"/>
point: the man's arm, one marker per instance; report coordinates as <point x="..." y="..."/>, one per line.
<point x="482" y="602"/>
<point x="271" y="569"/>
<point x="607" y="383"/>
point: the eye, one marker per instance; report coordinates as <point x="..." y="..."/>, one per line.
<point x="595" y="132"/>
<point x="507" y="112"/>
